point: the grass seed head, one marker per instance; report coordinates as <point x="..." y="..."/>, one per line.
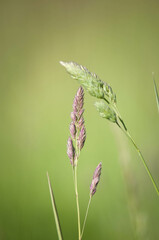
<point x="96" y="179"/>
<point x="88" y="80"/>
<point x="105" y="111"/>
<point x="77" y="128"/>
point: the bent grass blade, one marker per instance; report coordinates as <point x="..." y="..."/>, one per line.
<point x="58" y="227"/>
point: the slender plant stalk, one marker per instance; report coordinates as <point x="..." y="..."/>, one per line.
<point x="138" y="227"/>
<point x="58" y="227"/>
<point x="77" y="203"/>
<point x="142" y="159"/>
<point x="125" y="131"/>
<point x="84" y="223"/>
<point x="76" y="186"/>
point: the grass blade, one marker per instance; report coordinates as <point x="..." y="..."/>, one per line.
<point x="156" y="92"/>
<point x="59" y="232"/>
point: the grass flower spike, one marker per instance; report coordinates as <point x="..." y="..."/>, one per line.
<point x="93" y="188"/>
<point x="76" y="142"/>
<point x="106" y="107"/>
<point x="96" y="179"/>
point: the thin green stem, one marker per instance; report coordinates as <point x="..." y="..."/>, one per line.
<point x="125" y="131"/>
<point x="76" y="185"/>
<point x="142" y="159"/>
<point x="119" y="117"/>
<point x="86" y="216"/>
<point x="77" y="203"/>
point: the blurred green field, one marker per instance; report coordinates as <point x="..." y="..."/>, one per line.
<point x="119" y="41"/>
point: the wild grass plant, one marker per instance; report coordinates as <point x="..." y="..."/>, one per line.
<point x="75" y="144"/>
<point x="107" y="106"/>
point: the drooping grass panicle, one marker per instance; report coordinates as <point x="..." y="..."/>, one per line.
<point x="90" y="81"/>
<point x="95" y="87"/>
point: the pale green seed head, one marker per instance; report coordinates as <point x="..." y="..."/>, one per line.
<point x="88" y="80"/>
<point x="105" y="111"/>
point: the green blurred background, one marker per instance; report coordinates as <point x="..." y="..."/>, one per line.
<point x="119" y="40"/>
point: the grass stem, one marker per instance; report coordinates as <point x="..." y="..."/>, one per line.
<point x="77" y="203"/>
<point x="142" y="159"/>
<point x="86" y="216"/>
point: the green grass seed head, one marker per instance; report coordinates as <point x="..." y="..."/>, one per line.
<point x="88" y="80"/>
<point x="105" y="111"/>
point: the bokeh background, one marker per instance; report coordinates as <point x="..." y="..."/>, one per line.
<point x="118" y="40"/>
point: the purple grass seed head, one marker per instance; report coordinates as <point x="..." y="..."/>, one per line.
<point x="95" y="180"/>
<point x="77" y="128"/>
